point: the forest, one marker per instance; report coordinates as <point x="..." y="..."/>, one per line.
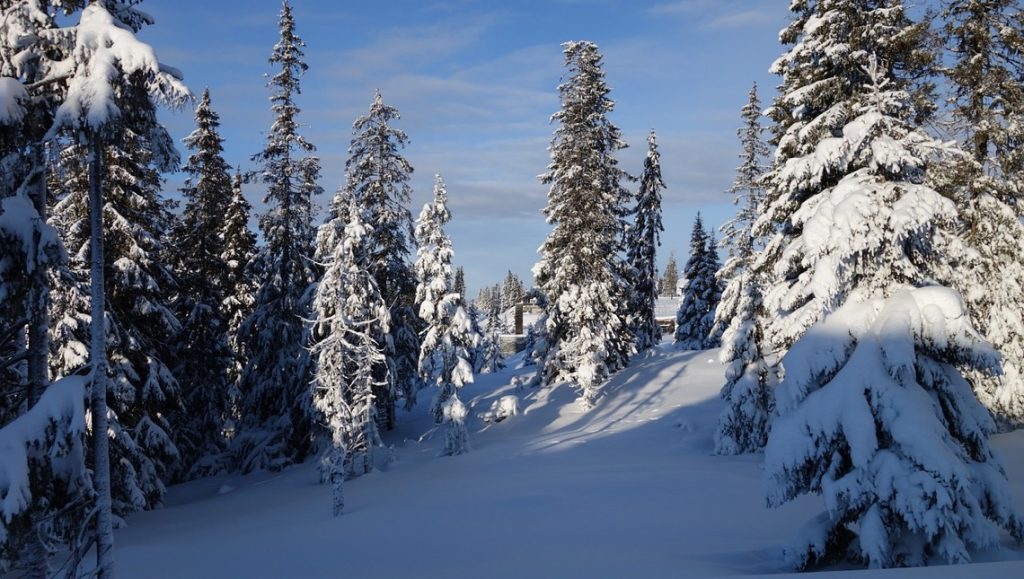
<point x="857" y="326"/>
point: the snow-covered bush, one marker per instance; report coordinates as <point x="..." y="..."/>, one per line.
<point x="501" y="409"/>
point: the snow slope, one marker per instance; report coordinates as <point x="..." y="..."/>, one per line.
<point x="629" y="489"/>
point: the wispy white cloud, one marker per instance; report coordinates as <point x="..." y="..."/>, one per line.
<point x="476" y="92"/>
<point x="720" y="14"/>
<point x="685" y="7"/>
<point x="743" y="19"/>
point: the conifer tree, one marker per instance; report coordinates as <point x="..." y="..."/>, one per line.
<point x="143" y="392"/>
<point x="29" y="81"/>
<point x="205" y="361"/>
<point x="700" y="291"/>
<point x="350" y="324"/>
<point x="445" y="355"/>
<point x="460" y="283"/>
<point x="642" y="247"/>
<point x="378" y="179"/>
<point x="239" y="250"/>
<point x="586" y="334"/>
<point x="477" y="339"/>
<point x="747" y="195"/>
<point x="744" y="424"/>
<point x="803" y="118"/>
<point x="274" y="385"/>
<point x="114" y="82"/>
<point x="873" y="390"/>
<point x="987" y="79"/>
<point x="512" y="292"/>
<point x="670" y="281"/>
<point x="491" y="358"/>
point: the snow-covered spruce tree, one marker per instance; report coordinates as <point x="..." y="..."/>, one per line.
<point x="873" y="411"/>
<point x="985" y="40"/>
<point x="43" y="474"/>
<point x="492" y="301"/>
<point x="274" y="386"/>
<point x="830" y="42"/>
<point x="445" y="358"/>
<point x="713" y="264"/>
<point x="479" y="338"/>
<point x="378" y="179"/>
<point x="670" y="281"/>
<point x="29" y="249"/>
<point x="744" y="424"/>
<point x="700" y="291"/>
<point x="747" y="193"/>
<point x="204" y="359"/>
<point x="239" y="250"/>
<point x="434" y="285"/>
<point x="491" y="357"/>
<point x="114" y="82"/>
<point x="644" y="238"/>
<point x="350" y="322"/>
<point x="142" y="393"/>
<point x="460" y="284"/>
<point x="512" y="291"/>
<point x="586" y="336"/>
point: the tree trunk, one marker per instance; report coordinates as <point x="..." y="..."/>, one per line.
<point x="98" y="357"/>
<point x="38" y="343"/>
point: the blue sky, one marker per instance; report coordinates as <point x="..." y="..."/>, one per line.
<point x="476" y="82"/>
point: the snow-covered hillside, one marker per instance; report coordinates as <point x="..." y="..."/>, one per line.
<point x="629" y="489"/>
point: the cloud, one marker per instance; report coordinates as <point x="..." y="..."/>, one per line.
<point x="682" y="7"/>
<point x="402" y="48"/>
<point x="743" y="19"/>
<point x="720" y="14"/>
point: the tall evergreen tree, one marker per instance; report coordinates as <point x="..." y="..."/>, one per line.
<point x="642" y="247"/>
<point x="700" y="291"/>
<point x="114" y="82"/>
<point x="378" y="179"/>
<point x="350" y="324"/>
<point x="445" y="354"/>
<point x="872" y="390"/>
<point x="143" y="392"/>
<point x="30" y="81"/>
<point x="748" y="194"/>
<point x="205" y="361"/>
<point x="460" y="283"/>
<point x="987" y="80"/>
<point x="670" y="281"/>
<point x="803" y="118"/>
<point x="586" y="337"/>
<point x="985" y="41"/>
<point x="239" y="251"/>
<point x="490" y="358"/>
<point x="744" y="424"/>
<point x="512" y="291"/>
<point x="274" y="386"/>
<point x="747" y="191"/>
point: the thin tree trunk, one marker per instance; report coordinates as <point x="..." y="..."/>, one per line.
<point x="98" y="357"/>
<point x="38" y="343"/>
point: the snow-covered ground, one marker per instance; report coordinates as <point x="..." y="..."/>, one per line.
<point x="629" y="489"/>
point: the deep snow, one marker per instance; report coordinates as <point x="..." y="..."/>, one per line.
<point x="629" y="489"/>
